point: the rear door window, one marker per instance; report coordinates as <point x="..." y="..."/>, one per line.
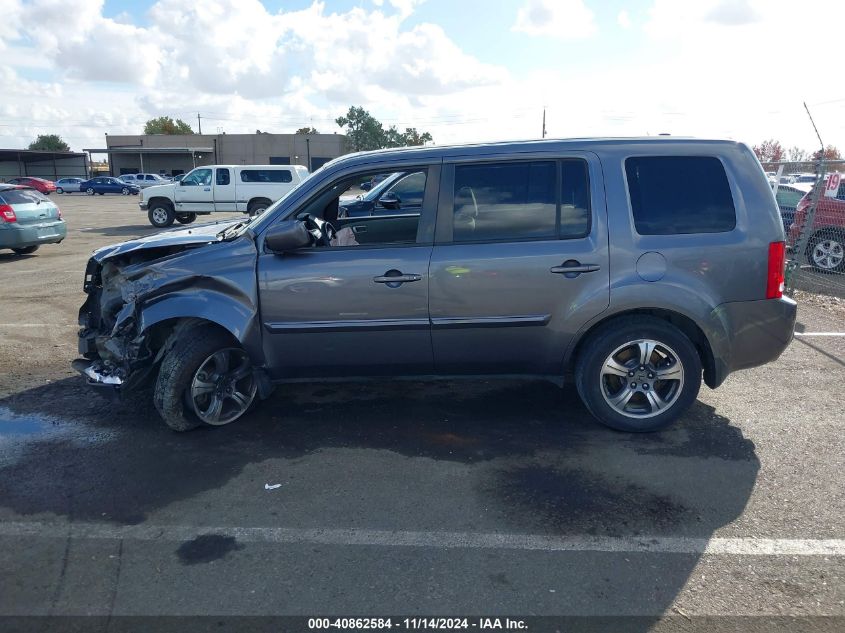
<point x="222" y="176"/>
<point x="672" y="195"/>
<point x="521" y="200"/>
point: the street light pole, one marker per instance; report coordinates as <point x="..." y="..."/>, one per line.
<point x="308" y="149"/>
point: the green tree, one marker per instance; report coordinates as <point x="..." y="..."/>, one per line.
<point x="307" y="130"/>
<point x="166" y="125"/>
<point x="50" y="143"/>
<point x="412" y="137"/>
<point x="365" y="132"/>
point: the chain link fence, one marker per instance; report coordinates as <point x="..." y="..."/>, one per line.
<point x="811" y="198"/>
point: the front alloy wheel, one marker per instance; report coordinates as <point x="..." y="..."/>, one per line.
<point x="223" y="387"/>
<point x="90" y="191"/>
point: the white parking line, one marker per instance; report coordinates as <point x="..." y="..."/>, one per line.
<point x="439" y="540"/>
<point x="820" y="334"/>
<point x="43" y="325"/>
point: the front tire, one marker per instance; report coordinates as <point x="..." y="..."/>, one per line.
<point x="206" y="378"/>
<point x="59" y="190"/>
<point x="161" y="215"/>
<point x="638" y="374"/>
<point x="90" y="191"/>
<point x="125" y="191"/>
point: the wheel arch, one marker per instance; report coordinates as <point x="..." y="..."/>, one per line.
<point x="258" y="199"/>
<point x="178" y="312"/>
<point x="159" y="200"/>
<point x="683" y="322"/>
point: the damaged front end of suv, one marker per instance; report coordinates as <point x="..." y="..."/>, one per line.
<point x="143" y="294"/>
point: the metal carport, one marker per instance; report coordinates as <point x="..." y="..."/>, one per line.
<point x="42" y="164"/>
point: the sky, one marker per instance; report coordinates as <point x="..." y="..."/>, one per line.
<point x="463" y="70"/>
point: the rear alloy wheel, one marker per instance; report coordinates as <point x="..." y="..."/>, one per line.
<point x="257" y="208"/>
<point x="186" y="218"/>
<point x="26" y="250"/>
<point x="204" y="379"/>
<point x="125" y="191"/>
<point x="638" y="374"/>
<point x="826" y="252"/>
<point x="161" y="215"/>
<point x="90" y="191"/>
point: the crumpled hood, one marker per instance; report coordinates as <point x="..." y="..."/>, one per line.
<point x="199" y="234"/>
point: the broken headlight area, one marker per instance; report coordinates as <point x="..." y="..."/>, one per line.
<point x="115" y="353"/>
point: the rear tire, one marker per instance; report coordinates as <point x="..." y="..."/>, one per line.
<point x="161" y="215"/>
<point x="186" y="218"/>
<point x="625" y="392"/>
<point x="185" y="367"/>
<point x="256" y="207"/>
<point x="26" y="250"/>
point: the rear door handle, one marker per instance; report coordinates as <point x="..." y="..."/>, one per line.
<point x="573" y="268"/>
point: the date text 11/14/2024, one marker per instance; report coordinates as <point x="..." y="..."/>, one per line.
<point x="417" y="623"/>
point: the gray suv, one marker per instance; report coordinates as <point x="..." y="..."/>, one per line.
<point x="632" y="267"/>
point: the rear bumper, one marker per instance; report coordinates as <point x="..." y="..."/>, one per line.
<point x="21" y="236"/>
<point x="746" y="334"/>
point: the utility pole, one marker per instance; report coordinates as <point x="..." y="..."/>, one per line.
<point x="308" y="149"/>
<point x="199" y="122"/>
<point x="544" y="122"/>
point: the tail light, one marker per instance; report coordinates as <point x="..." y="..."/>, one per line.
<point x="59" y="213"/>
<point x="775" y="276"/>
<point x="7" y="214"/>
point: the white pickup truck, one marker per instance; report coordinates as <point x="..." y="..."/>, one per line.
<point x="246" y="188"/>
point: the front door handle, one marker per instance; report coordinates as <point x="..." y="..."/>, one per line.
<point x="573" y="268"/>
<point x="394" y="278"/>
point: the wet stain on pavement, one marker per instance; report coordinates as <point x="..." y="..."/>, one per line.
<point x="567" y="500"/>
<point x="206" y="548"/>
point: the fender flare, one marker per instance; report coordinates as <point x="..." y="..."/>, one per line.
<point x="236" y="317"/>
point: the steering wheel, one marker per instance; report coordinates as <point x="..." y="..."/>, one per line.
<point x="322" y="230"/>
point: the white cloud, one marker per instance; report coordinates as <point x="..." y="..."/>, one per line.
<point x="691" y="69"/>
<point x="564" y="19"/>
<point x="623" y="19"/>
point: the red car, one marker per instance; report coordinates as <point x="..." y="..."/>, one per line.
<point x="826" y="244"/>
<point x="40" y="184"/>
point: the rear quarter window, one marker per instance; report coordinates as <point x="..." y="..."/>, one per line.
<point x="21" y="196"/>
<point x="673" y="195"/>
<point x="266" y="175"/>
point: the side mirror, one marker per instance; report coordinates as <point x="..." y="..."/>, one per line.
<point x="287" y="236"/>
<point x="389" y="200"/>
<point x="366" y="186"/>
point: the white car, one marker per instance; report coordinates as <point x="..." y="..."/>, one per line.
<point x="142" y="181"/>
<point x="69" y="185"/>
<point x="203" y="190"/>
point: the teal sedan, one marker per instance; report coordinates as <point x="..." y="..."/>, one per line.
<point x="28" y="220"/>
